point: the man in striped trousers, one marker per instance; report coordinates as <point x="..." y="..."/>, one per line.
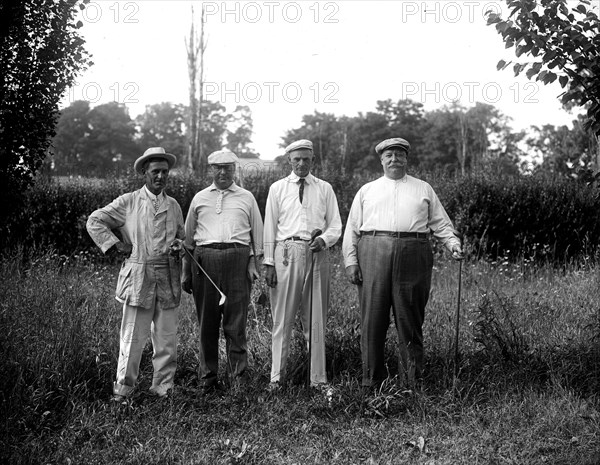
<point x="387" y="254"/>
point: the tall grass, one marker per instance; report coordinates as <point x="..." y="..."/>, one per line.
<point x="527" y="390"/>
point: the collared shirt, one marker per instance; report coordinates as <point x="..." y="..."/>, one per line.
<point x="408" y="205"/>
<point x="160" y="197"/>
<point x="149" y="272"/>
<point x="285" y="216"/>
<point x="230" y="219"/>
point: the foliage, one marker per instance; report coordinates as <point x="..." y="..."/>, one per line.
<point x="565" y="151"/>
<point x="103" y="140"/>
<point x="239" y="139"/>
<point x="454" y="138"/>
<point x="94" y="142"/>
<point x="542" y="217"/>
<point x="41" y="52"/>
<point x="561" y="38"/>
<point x="163" y="125"/>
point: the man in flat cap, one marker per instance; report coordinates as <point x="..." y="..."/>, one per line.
<point x="224" y="229"/>
<point x="149" y="285"/>
<point x="388" y="255"/>
<point x="302" y="221"/>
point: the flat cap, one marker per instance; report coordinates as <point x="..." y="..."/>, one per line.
<point x="222" y="157"/>
<point x="394" y="142"/>
<point x="154" y="152"/>
<point x="302" y="144"/>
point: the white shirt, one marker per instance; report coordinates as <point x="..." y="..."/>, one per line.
<point x="285" y="216"/>
<point x="407" y="205"/>
<point x="231" y="219"/>
<point x="160" y="197"/>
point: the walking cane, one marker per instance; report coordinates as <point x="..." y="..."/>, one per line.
<point x="457" y="312"/>
<point x="223" y="298"/>
<point x="313" y="235"/>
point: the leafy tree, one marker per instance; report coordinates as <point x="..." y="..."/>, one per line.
<point x="364" y="132"/>
<point x="349" y="142"/>
<point x="163" y="125"/>
<point x="494" y="142"/>
<point x="444" y="143"/>
<point x="69" y="143"/>
<point x="212" y="129"/>
<point x="406" y="119"/>
<point x="564" y="42"/>
<point x="41" y="53"/>
<point x="240" y="138"/>
<point x="325" y="132"/>
<point x="465" y="138"/>
<point x="564" y="150"/>
<point x="110" y="146"/>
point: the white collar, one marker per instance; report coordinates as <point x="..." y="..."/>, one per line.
<point x="160" y="195"/>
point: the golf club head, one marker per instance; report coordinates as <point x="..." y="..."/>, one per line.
<point x="315" y="233"/>
<point x="223" y="299"/>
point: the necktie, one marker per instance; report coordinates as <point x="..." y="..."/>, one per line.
<point x="220" y="202"/>
<point x="156" y="204"/>
<point x="301" y="189"/>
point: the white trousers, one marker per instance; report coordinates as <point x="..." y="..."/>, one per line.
<point x="293" y="293"/>
<point x="137" y="323"/>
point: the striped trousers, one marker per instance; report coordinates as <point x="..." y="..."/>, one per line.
<point x="396" y="273"/>
<point x="228" y="269"/>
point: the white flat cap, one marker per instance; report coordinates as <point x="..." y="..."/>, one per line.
<point x="222" y="157"/>
<point x="302" y="144"/>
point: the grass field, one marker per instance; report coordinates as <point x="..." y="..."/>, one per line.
<point x="528" y="389"/>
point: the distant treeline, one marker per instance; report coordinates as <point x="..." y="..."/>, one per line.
<point x="538" y="217"/>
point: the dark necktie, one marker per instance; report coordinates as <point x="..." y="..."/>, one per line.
<point x="301" y="189"/>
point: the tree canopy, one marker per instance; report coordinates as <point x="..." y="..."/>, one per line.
<point x="453" y="137"/>
<point x="564" y="41"/>
<point x="41" y="53"/>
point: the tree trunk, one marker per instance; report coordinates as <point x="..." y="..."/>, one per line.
<point x="192" y="129"/>
<point x="462" y="154"/>
<point x="202" y="47"/>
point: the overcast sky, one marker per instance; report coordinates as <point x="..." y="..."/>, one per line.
<point x="287" y="59"/>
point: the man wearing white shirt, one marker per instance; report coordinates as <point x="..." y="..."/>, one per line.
<point x="388" y="255"/>
<point x="224" y="229"/>
<point x="297" y="206"/>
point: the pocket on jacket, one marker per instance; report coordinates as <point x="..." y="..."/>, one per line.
<point x="124" y="281"/>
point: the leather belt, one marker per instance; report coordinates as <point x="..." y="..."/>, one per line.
<point x="223" y="245"/>
<point x="295" y="238"/>
<point x="396" y="234"/>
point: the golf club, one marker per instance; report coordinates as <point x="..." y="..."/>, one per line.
<point x="313" y="235"/>
<point x="223" y="298"/>
<point x="460" y="237"/>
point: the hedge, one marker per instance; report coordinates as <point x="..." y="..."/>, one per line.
<point x="500" y="216"/>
